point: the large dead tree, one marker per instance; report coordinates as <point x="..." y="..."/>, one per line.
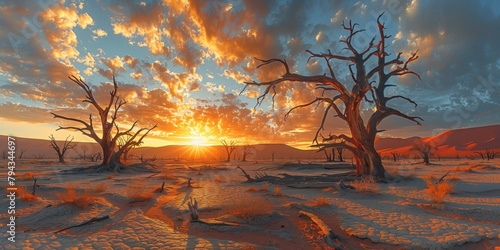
<point x="229" y="146"/>
<point x="108" y="114"/>
<point x="68" y="144"/>
<point x="369" y="84"/>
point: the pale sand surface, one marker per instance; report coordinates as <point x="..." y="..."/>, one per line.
<point x="399" y="215"/>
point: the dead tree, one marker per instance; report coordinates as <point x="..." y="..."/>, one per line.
<point x="425" y="149"/>
<point x="480" y="154"/>
<point x="272" y="155"/>
<point x="395" y="156"/>
<point x="21" y="153"/>
<point x="490" y="154"/>
<point x="369" y="85"/>
<point x="107" y="122"/>
<point x="95" y="157"/>
<point x="229" y="147"/>
<point x="68" y="144"/>
<point x="340" y="153"/>
<point x="247" y="150"/>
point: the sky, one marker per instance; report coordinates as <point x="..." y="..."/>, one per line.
<point x="182" y="65"/>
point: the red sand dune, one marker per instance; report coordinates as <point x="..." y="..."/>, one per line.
<point x="462" y="141"/>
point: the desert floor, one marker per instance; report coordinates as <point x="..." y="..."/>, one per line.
<point x="399" y="214"/>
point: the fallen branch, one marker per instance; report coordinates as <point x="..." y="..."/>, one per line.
<point x="85" y="223"/>
<point x="330" y="237"/>
<point x="162" y="186"/>
<point x="442" y="177"/>
<point x="245" y="174"/>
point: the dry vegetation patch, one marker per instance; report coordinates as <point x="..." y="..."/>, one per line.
<point x="438" y="191"/>
<point x="321" y="201"/>
<point x="136" y="192"/>
<point x="366" y="185"/>
<point x="79" y="200"/>
<point x="25" y="195"/>
<point x="248" y="207"/>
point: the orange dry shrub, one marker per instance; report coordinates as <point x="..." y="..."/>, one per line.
<point x="26" y="196"/>
<point x="415" y="167"/>
<point x="366" y="185"/>
<point x="467" y="169"/>
<point x="248" y="207"/>
<point x="25" y="176"/>
<point x="321" y="201"/>
<point x="394" y="171"/>
<point x="82" y="201"/>
<point x="264" y="188"/>
<point x="453" y="178"/>
<point x="137" y="193"/>
<point x="277" y="190"/>
<point x="438" y="191"/>
<point x="218" y="179"/>
<point x="167" y="174"/>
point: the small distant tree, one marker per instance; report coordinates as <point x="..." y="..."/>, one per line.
<point x="480" y="154"/>
<point x="247" y="150"/>
<point x="490" y="154"/>
<point x="229" y="146"/>
<point x="340" y="153"/>
<point x="21" y="153"/>
<point x="395" y="156"/>
<point x="425" y="149"/>
<point x="95" y="157"/>
<point x="272" y="155"/>
<point x="437" y="155"/>
<point x="68" y="144"/>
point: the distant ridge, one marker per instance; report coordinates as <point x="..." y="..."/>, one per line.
<point x="464" y="141"/>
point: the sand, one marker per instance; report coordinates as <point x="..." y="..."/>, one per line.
<point x="399" y="215"/>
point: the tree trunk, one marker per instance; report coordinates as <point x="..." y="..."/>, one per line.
<point x="61" y="158"/>
<point x="426" y="159"/>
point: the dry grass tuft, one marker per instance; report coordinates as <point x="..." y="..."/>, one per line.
<point x="109" y="176"/>
<point x="438" y="191"/>
<point x="167" y="174"/>
<point x="99" y="188"/>
<point x="264" y="188"/>
<point x="277" y="190"/>
<point x="453" y="178"/>
<point x="136" y="192"/>
<point x="431" y="176"/>
<point x="415" y="167"/>
<point x="248" y="207"/>
<point x="465" y="169"/>
<point x="218" y="179"/>
<point x="26" y="196"/>
<point x="394" y="171"/>
<point x="81" y="201"/>
<point x="26" y="176"/>
<point x="366" y="185"/>
<point x="321" y="201"/>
